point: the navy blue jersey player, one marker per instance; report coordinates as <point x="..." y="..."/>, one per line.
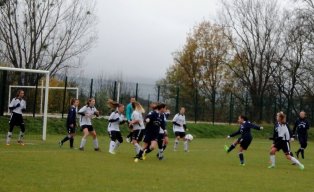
<point x="153" y="122"/>
<point x="245" y="139"/>
<point x="300" y="129"/>
<point x="71" y="123"/>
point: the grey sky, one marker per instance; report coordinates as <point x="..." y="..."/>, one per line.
<point x="137" y="37"/>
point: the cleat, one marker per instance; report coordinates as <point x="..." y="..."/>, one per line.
<point x="112" y="152"/>
<point x="7" y="144"/>
<point x="97" y="149"/>
<point x="271" y="166"/>
<point x="226" y="148"/>
<point x="301" y="167"/>
<point x="186" y="151"/>
<point x="60" y="144"/>
<point x="20" y="142"/>
<point x="81" y="148"/>
<point x="242" y="164"/>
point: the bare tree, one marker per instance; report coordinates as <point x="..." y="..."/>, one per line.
<point x="256" y="34"/>
<point x="45" y="34"/>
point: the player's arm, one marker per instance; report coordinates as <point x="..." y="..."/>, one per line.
<point x="256" y="126"/>
<point x="234" y="134"/>
<point x="82" y="111"/>
<point x="307" y="125"/>
<point x="13" y="105"/>
<point x="113" y="117"/>
<point x="96" y="112"/>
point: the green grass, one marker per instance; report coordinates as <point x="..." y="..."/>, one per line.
<point x="43" y="166"/>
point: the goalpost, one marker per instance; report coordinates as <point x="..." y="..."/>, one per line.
<point x="46" y="73"/>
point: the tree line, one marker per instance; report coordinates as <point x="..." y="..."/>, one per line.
<point x="259" y="52"/>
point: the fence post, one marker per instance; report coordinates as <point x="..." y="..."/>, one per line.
<point x="195" y="106"/>
<point x="231" y="109"/>
<point x="158" y="93"/>
<point x="114" y="90"/>
<point x="177" y="100"/>
<point x="64" y="94"/>
<point x="91" y="88"/>
<point x="214" y="106"/>
<point x="2" y="90"/>
<point x="136" y="91"/>
<point x="35" y="99"/>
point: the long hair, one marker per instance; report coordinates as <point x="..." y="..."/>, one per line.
<point x="89" y="101"/>
<point x="138" y="107"/>
<point x="18" y="93"/>
<point x="282" y="116"/>
<point x="72" y="101"/>
<point x="112" y="104"/>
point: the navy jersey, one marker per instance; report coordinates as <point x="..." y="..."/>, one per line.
<point x="301" y="126"/>
<point x="153" y="120"/>
<point x="71" y="117"/>
<point x="245" y="129"/>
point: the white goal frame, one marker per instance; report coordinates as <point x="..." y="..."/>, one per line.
<point x="41" y="92"/>
<point x="47" y="74"/>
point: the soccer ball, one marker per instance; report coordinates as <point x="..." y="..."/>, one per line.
<point x="189" y="137"/>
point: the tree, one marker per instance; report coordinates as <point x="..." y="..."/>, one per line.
<point x="47" y="35"/>
<point x="256" y="34"/>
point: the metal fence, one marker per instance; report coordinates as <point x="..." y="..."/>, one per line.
<point x="225" y="108"/>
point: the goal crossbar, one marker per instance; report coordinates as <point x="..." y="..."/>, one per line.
<point x="47" y="73"/>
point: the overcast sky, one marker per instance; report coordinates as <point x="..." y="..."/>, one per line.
<point x="137" y="37"/>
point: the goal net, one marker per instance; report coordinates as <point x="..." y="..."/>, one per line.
<point x="36" y="97"/>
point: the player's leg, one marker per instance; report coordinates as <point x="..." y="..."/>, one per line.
<point x="241" y="156"/>
<point x="9" y="135"/>
<point x="272" y="153"/>
<point x="286" y="150"/>
<point x="160" y="146"/>
<point x="176" y="141"/>
<point x="118" y="141"/>
<point x="66" y="138"/>
<point x="22" y="131"/>
<point x="136" y="138"/>
<point x="232" y="146"/>
<point x="303" y="143"/>
<point x="72" y="140"/>
<point x="113" y="138"/>
<point x="95" y="140"/>
<point x="83" y="141"/>
<point x="165" y="143"/>
<point x="186" y="142"/>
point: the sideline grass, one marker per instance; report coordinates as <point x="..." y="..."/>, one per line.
<point x="46" y="167"/>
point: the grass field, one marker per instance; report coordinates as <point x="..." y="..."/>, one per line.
<point x="45" y="167"/>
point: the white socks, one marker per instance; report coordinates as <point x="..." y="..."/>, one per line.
<point x="21" y="136"/>
<point x="112" y="145"/>
<point x="117" y="144"/>
<point x="294" y="160"/>
<point x="9" y="137"/>
<point x="186" y="146"/>
<point x="83" y="142"/>
<point x="176" y="142"/>
<point x="137" y="148"/>
<point x="96" y="143"/>
<point x="272" y="160"/>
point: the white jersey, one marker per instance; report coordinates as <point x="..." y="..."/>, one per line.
<point x="138" y="117"/>
<point x="179" y="119"/>
<point x="115" y="119"/>
<point x="283" y="132"/>
<point x="88" y="112"/>
<point x="15" y="102"/>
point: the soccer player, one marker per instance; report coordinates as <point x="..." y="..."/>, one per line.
<point x="245" y="139"/>
<point x="71" y="123"/>
<point x="153" y="121"/>
<point x="87" y="113"/>
<point x="300" y="128"/>
<point x="281" y="141"/>
<point x="115" y="119"/>
<point x="128" y="114"/>
<point x="179" y="128"/>
<point x="17" y="106"/>
<point x="163" y="138"/>
<point x="138" y="126"/>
